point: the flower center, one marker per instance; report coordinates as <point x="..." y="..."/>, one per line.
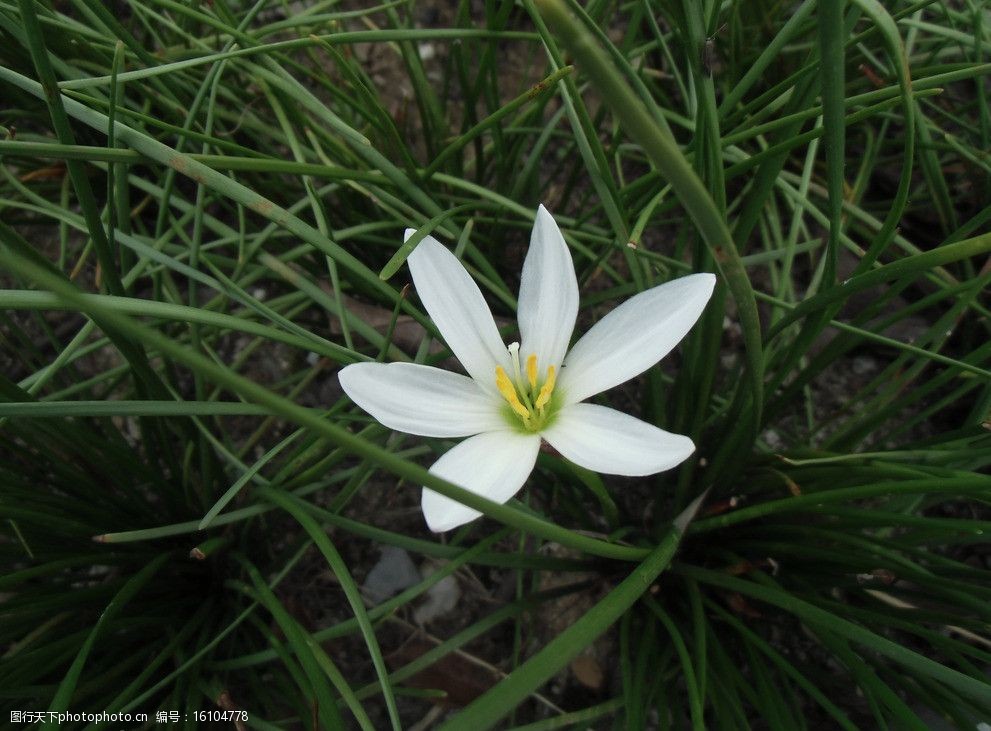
<point x="529" y="398"/>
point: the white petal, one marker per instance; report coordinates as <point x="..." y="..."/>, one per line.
<point x="605" y="440"/>
<point x="494" y="465"/>
<point x="634" y="336"/>
<point x="455" y="304"/>
<point x="418" y="399"/>
<point x="548" y="295"/>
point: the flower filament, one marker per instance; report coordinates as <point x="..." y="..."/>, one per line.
<point x="529" y="399"/>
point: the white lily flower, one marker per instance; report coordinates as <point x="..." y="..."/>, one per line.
<point x="514" y="397"/>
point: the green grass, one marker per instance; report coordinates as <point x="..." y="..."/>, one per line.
<point x="201" y="217"/>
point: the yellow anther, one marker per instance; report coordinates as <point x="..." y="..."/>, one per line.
<point x="547" y="389"/>
<point x="531" y="370"/>
<point x="508" y="392"/>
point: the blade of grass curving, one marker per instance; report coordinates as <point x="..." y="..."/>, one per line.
<point x="299" y="702"/>
<point x="786" y="667"/>
<point x="729" y="691"/>
<point x="30" y="149"/>
<point x="214" y="180"/>
<point x="60" y="121"/>
<point x="886" y="26"/>
<point x="212" y="640"/>
<point x="895" y="270"/>
<point x="973" y="688"/>
<point x="145" y="379"/>
<point x="668" y="159"/>
<point x="456" y="642"/>
<point x="967" y="484"/>
<point x="389" y="607"/>
<point x="695" y="380"/>
<point x="831" y="34"/>
<point x="527" y="178"/>
<point x="63" y="695"/>
<point x="19" y="245"/>
<point x="932" y="170"/>
<point x="889" y="33"/>
<point x="243" y="480"/>
<point x="863" y="335"/>
<point x="634" y="657"/>
<point x="208" y="466"/>
<point x="317" y="666"/>
<point x="581" y="718"/>
<point x="319" y="211"/>
<point x="700" y="633"/>
<point x="688" y="672"/>
<point x="624" y="58"/>
<point x="105" y="15"/>
<point x="167" y="653"/>
<point x="402" y="253"/>
<point x="876" y="690"/>
<point x="541" y="87"/>
<point x="586" y="136"/>
<point x="301" y="280"/>
<point x="774" y="699"/>
<point x="486" y="711"/>
<point x="253" y="48"/>
<point x="35" y="300"/>
<point x="62" y="409"/>
<point x="351" y="591"/>
<point x="112" y="209"/>
<point x="280" y="78"/>
<point x="431" y="111"/>
<point x="372" y="107"/>
<point x="756" y="71"/>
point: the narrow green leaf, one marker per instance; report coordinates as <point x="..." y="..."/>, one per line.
<point x="486" y="711"/>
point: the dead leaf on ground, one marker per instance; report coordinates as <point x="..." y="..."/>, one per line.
<point x="588" y="672"/>
<point x="461" y="680"/>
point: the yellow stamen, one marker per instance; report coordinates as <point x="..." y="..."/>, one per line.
<point x="531" y="370"/>
<point x="545" y="391"/>
<point x="508" y="392"/>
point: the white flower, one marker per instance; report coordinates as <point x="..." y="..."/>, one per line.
<point x="514" y="397"/>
